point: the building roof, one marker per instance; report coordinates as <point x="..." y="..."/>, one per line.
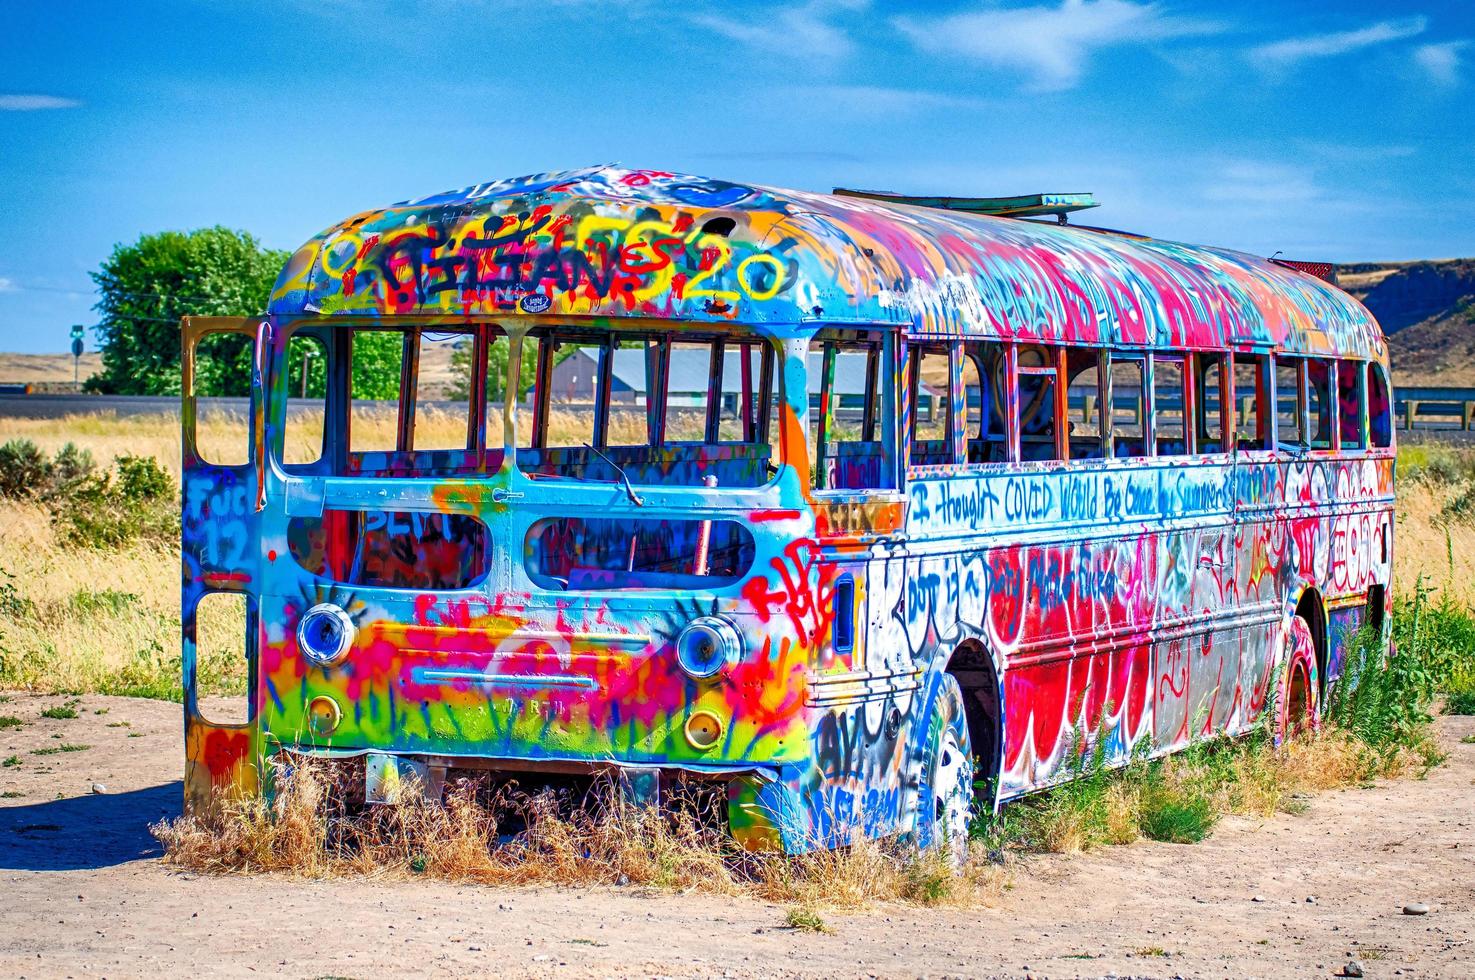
<point x="605" y="242"/>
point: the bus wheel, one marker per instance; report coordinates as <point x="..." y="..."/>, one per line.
<point x="1300" y="710"/>
<point x="947" y="807"/>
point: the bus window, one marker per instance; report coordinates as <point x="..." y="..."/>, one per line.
<point x="846" y="390"/>
<point x="985" y="379"/>
<point x="1380" y="408"/>
<point x="612" y="406"/>
<point x="1289" y="402"/>
<point x="689" y="392"/>
<point x="931" y="443"/>
<point x="1350" y="404"/>
<point x="1319" y="404"/>
<point x="442" y="401"/>
<point x="1211" y="403"/>
<point x="1128" y="416"/>
<point x="1083" y="404"/>
<point x="222" y="366"/>
<point x="1038" y="390"/>
<point x="571" y="392"/>
<point x="374" y="388"/>
<point x="307" y="400"/>
<point x="1168" y="400"/>
<point x="737" y="410"/>
<point x="1252" y="419"/>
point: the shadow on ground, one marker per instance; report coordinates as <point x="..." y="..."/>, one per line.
<point x="85" y="831"/>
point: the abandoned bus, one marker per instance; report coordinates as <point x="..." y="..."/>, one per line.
<point x="847" y="503"/>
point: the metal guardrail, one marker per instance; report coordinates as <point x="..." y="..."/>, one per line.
<point x="1434" y="408"/>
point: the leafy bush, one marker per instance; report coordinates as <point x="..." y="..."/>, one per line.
<point x="24" y="469"/>
<point x="112" y="511"/>
<point x="25" y="472"/>
<point x="71" y="464"/>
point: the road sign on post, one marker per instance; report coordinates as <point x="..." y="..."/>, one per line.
<point x="77" y="330"/>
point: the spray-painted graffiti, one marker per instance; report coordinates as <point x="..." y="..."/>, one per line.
<point x="698" y="605"/>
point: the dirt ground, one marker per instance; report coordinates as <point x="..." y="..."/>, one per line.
<point x="83" y="893"/>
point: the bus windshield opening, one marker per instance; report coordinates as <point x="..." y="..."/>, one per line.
<point x="610" y="406"/>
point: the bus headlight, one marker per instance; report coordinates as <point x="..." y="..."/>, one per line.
<point x="706" y="645"/>
<point x="325" y="634"/>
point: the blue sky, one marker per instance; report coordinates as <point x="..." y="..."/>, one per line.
<point x="1327" y="131"/>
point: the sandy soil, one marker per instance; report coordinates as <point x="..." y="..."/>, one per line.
<point x="84" y="894"/>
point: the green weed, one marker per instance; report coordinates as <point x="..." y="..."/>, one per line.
<point x="9" y="721"/>
<point x="60" y="711"/>
<point x="803" y="918"/>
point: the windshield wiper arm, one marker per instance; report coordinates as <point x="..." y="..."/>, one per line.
<point x="635" y="498"/>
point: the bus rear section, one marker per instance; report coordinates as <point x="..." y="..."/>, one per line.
<point x="589" y="553"/>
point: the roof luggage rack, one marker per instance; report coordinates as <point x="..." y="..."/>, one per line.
<point x="1023" y="206"/>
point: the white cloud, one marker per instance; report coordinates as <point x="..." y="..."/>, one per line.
<point x="1441" y="62"/>
<point x="31" y="103"/>
<point x="805" y="32"/>
<point x="1280" y="55"/>
<point x="1051" y="45"/>
<point x="7" y="285"/>
<point x="878" y="99"/>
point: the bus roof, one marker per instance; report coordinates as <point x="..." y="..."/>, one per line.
<point x="605" y="242"/>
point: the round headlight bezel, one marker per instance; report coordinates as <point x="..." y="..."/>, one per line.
<point x="706" y="645"/>
<point x="325" y="634"/>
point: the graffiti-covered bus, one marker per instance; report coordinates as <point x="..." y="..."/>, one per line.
<point x="867" y="510"/>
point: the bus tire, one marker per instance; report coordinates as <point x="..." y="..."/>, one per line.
<point x="945" y="804"/>
<point x="1300" y="704"/>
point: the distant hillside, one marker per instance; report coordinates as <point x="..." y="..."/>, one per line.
<point x="30" y="368"/>
<point x="1428" y="311"/>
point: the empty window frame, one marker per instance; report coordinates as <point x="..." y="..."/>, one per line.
<point x="1321" y="408"/>
<point x="305" y="390"/>
<point x="1041" y="401"/>
<point x="931" y="371"/>
<point x="1128" y="416"/>
<point x="738" y="401"/>
<point x="1351" y="404"/>
<point x="440" y="414"/>
<point x="221" y="366"/>
<point x="1211" y="372"/>
<point x="846" y="419"/>
<point x="1086" y="369"/>
<point x="650" y="407"/>
<point x="1251" y="402"/>
<point x="1290" y="402"/>
<point x="1171" y="405"/>
<point x="985" y="382"/>
<point x="1379" y="407"/>
<point x="406" y="415"/>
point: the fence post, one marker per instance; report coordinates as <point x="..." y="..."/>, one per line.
<point x="1410" y="409"/>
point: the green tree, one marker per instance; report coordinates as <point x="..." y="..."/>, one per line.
<point x="145" y="289"/>
<point x="377" y="359"/>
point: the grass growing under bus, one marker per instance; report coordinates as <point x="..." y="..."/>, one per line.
<point x="95" y="617"/>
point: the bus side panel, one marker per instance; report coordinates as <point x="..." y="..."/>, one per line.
<point x="219" y="535"/>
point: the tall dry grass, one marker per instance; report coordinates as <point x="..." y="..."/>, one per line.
<point x="311" y="830"/>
